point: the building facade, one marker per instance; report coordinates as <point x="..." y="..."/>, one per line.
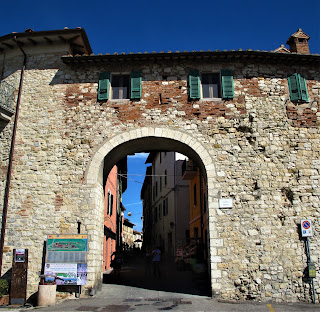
<point x="128" y="236"/>
<point x="110" y="218"/>
<point x="169" y="209"/>
<point x="115" y="185"/>
<point x="249" y="119"/>
<point x="198" y="209"/>
<point x="137" y="239"/>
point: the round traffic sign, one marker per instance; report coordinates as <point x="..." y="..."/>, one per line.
<point x="306" y="224"/>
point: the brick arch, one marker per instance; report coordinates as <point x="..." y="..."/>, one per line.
<point x="138" y="140"/>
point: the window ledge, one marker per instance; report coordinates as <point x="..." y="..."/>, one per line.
<point x="119" y="100"/>
<point x="210" y="99"/>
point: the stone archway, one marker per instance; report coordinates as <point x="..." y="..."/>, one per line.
<point x="138" y="140"/>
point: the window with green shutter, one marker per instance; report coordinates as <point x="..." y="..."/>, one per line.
<point x="136" y="81"/>
<point x="103" y="87"/>
<point x="303" y="88"/>
<point x="194" y="84"/>
<point x="211" y="85"/>
<point x="298" y="88"/>
<point x="227" y="84"/>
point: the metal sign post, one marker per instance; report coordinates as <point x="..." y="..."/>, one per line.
<point x="306" y="231"/>
<point x="18" y="293"/>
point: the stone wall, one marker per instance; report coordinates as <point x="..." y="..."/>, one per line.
<point x="259" y="149"/>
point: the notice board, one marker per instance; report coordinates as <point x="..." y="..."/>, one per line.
<point x="66" y="258"/>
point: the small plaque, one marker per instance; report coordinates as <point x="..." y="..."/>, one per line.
<point x="225" y="203"/>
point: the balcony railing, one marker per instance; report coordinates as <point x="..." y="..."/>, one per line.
<point x="7" y="97"/>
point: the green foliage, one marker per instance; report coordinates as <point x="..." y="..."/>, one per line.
<point x="4" y="287"/>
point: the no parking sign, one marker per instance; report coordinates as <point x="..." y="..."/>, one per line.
<point x="306" y="228"/>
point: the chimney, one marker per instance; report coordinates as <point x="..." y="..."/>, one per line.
<point x="298" y="42"/>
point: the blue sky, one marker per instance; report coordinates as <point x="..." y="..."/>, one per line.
<point x="146" y="25"/>
<point x="131" y="197"/>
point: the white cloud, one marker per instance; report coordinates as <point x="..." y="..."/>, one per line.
<point x="132" y="204"/>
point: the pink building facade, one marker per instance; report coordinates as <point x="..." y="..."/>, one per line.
<point x="110" y="218"/>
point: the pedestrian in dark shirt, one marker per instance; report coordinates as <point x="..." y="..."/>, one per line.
<point x="156" y="257"/>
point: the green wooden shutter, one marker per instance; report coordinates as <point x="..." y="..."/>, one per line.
<point x="293" y="82"/>
<point x="136" y="81"/>
<point x="103" y="88"/>
<point x="227" y="84"/>
<point x="303" y="89"/>
<point x="194" y="84"/>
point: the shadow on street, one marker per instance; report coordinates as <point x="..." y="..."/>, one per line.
<point x="136" y="273"/>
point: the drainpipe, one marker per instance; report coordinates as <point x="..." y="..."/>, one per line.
<point x="14" y="131"/>
<point x="201" y="212"/>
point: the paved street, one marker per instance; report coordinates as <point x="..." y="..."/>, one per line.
<point x="175" y="290"/>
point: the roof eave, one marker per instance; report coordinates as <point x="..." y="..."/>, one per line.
<point x="262" y="56"/>
<point x="51" y="37"/>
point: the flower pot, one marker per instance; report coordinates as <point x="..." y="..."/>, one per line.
<point x="4" y="300"/>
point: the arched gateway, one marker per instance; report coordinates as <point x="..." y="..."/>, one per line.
<point x="249" y="119"/>
<point x="137" y="140"/>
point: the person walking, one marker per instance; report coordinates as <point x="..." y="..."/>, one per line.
<point x="156" y="257"/>
<point x="116" y="262"/>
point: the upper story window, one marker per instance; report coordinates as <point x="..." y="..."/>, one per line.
<point x="298" y="88"/>
<point x="165" y="206"/>
<point x="211" y="85"/>
<point x="120" y="86"/>
<point x="110" y="203"/>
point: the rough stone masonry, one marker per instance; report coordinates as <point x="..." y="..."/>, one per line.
<point x="259" y="148"/>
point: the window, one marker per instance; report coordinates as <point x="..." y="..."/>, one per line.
<point x="155" y="214"/>
<point x="109" y="203"/>
<point x="165" y="206"/>
<point x="165" y="177"/>
<point x="211" y="85"/>
<point x="195" y="194"/>
<point x="120" y="86"/>
<point x="195" y="232"/>
<point x="188" y="236"/>
<point x="160" y="211"/>
<point x="298" y="88"/>
<point x="160" y="184"/>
